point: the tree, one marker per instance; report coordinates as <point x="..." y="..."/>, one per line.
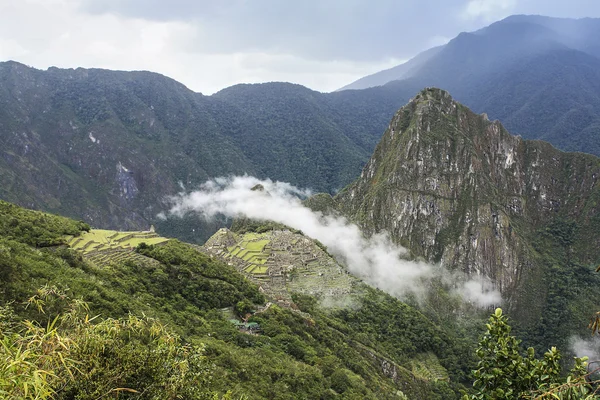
<point x="504" y="373"/>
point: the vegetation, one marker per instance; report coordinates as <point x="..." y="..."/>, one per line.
<point x="526" y="71"/>
<point x="504" y="373"/>
<point x="75" y="157"/>
<point x="75" y="356"/>
<point x="36" y="228"/>
<point x="101" y="239"/>
<point x="517" y="214"/>
<point x="80" y="127"/>
<point x="171" y="306"/>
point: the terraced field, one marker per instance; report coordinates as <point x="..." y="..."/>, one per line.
<point x="427" y="366"/>
<point x="254" y="251"/>
<point x="104" y="247"/>
<point x="100" y="239"/>
<point x="282" y="262"/>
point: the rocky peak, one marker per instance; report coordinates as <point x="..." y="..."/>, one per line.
<point x="457" y="189"/>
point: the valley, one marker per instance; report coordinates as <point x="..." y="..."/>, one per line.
<point x="430" y="231"/>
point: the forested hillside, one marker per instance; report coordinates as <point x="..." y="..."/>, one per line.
<point x="163" y="319"/>
<point x="109" y="146"/>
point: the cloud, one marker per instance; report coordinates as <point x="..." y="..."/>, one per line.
<point x="351" y="30"/>
<point x="489" y="10"/>
<point x="586" y="348"/>
<point x="59" y="33"/>
<point x="376" y="259"/>
<point x="209" y="45"/>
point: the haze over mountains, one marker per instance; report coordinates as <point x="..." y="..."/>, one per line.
<point x="110" y="147"/>
<point x="81" y="142"/>
<point x="539" y="76"/>
<point x="422" y="197"/>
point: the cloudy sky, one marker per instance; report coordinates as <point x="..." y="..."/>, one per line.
<point x="212" y="44"/>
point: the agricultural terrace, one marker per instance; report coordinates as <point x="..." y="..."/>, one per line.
<point x="254" y="250"/>
<point x="102" y="240"/>
<point x="427" y="366"/>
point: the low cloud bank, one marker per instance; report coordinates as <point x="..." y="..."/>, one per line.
<point x="376" y="260"/>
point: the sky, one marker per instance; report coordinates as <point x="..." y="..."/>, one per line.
<point x="212" y="44"/>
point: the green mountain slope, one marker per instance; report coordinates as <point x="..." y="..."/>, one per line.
<point x="455" y="188"/>
<point x="380" y="348"/>
<point x="109" y="146"/>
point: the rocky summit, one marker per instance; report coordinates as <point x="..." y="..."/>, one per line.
<point x="458" y="189"/>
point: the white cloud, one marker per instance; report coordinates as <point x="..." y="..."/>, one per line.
<point x="376" y="259"/>
<point x="58" y="33"/>
<point x="210" y="45"/>
<point x="489" y="10"/>
<point x="586" y="347"/>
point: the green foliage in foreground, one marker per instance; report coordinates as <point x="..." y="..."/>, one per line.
<point x="504" y="373"/>
<point x="74" y="357"/>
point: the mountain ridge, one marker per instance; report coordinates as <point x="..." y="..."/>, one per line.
<point x="109" y="147"/>
<point x="458" y="189"/>
<point x="499" y="70"/>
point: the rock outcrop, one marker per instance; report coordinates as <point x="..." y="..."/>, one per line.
<point x="457" y="189"/>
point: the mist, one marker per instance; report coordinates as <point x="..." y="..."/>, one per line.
<point x="376" y="260"/>
<point x="589" y="347"/>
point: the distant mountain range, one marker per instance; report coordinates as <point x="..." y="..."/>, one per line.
<point x="539" y="76"/>
<point x="110" y="146"/>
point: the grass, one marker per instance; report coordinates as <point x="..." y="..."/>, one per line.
<point x="101" y="239"/>
<point x="260" y="269"/>
<point x="258" y="245"/>
<point x="252" y="250"/>
<point x="250" y="254"/>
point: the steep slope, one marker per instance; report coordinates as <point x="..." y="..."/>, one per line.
<point x="279" y="119"/>
<point x="105" y="146"/>
<point x="380" y="348"/>
<point x="109" y="146"/>
<point x="275" y="118"/>
<point x="553" y="97"/>
<point x="538" y="75"/>
<point x="455" y="188"/>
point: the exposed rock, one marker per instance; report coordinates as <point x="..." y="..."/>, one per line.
<point x="458" y="189"/>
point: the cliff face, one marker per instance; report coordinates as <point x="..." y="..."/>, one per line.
<point x="455" y="188"/>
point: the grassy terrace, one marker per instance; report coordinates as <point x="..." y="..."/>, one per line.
<point x="252" y="249"/>
<point x="101" y="239"/>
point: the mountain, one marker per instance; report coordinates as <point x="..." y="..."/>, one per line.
<point x="110" y="146"/>
<point x="459" y="190"/>
<point x="262" y="311"/>
<point x="402" y="71"/>
<point x="537" y="75"/>
<point x="167" y="315"/>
